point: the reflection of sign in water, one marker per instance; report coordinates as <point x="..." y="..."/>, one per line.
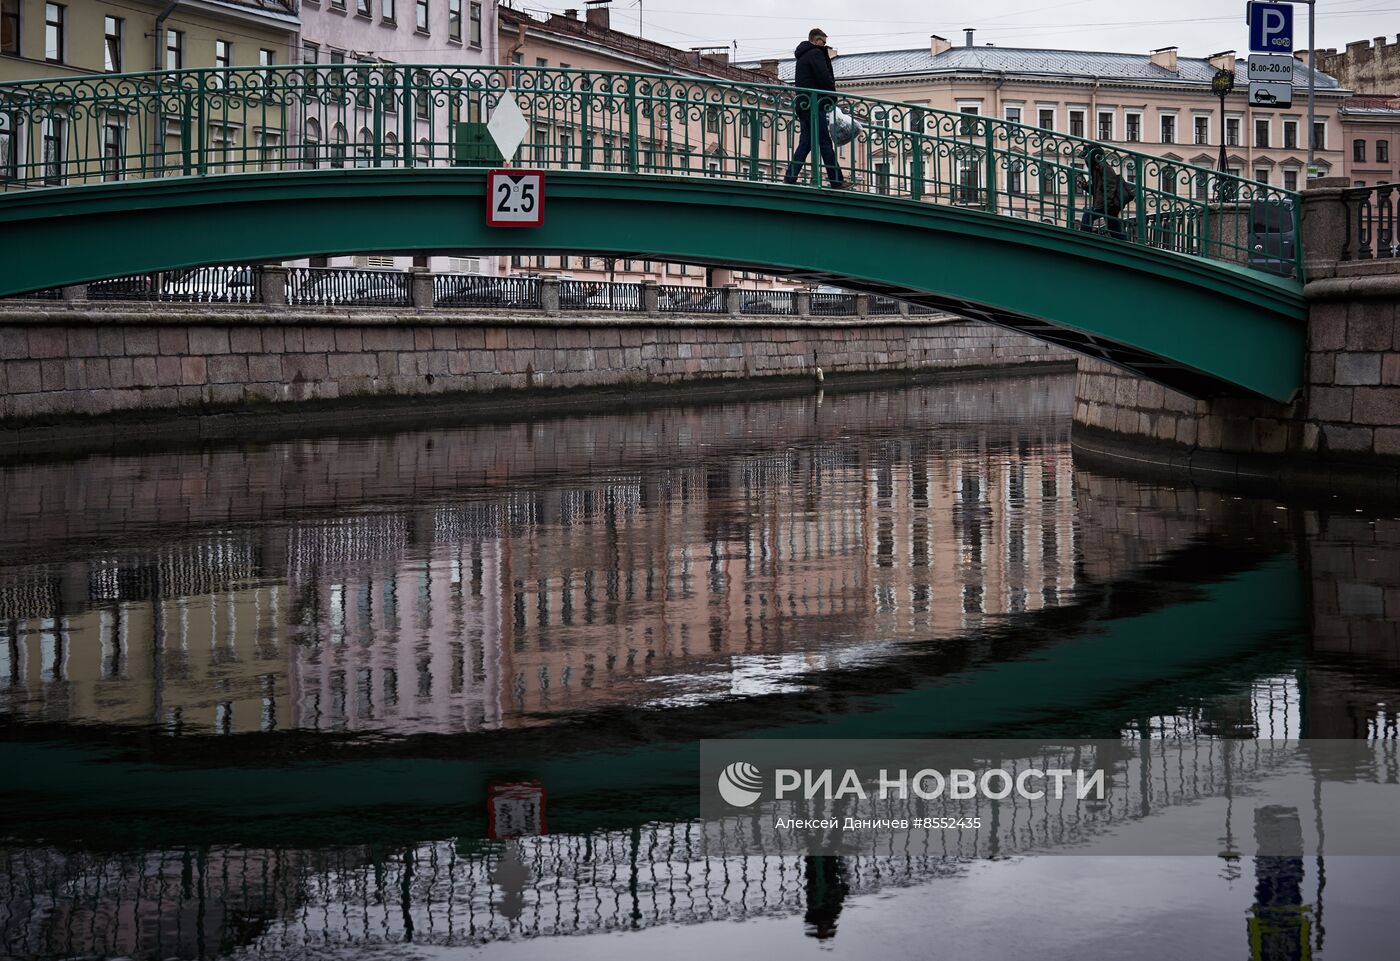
<point x="515" y="198"/>
<point x="515" y="810"/>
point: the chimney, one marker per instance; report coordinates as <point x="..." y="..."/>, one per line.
<point x="1165" y="58"/>
<point x="598" y="15"/>
<point x="969" y="31"/>
<point x="1225" y="60"/>
<point x="571" y="14"/>
<point x="937" y="45"/>
<point x="769" y="68"/>
<point x="718" y="56"/>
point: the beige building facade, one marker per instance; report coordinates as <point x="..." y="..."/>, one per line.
<point x="40" y="39"/>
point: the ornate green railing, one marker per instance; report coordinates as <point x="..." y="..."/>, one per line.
<point x="232" y="120"/>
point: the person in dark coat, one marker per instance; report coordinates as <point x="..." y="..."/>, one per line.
<point x="814" y="73"/>
<point x="1107" y="194"/>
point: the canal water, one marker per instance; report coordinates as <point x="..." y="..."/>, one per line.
<point x="436" y="692"/>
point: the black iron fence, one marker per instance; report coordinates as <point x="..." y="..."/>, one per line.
<point x="1371" y="213"/>
<point x="588" y="295"/>
<point x="677" y="299"/>
<point x="348" y="287"/>
<point x="479" y="290"/>
<point x="360" y="287"/>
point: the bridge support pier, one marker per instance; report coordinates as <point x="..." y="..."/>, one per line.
<point x="1344" y="426"/>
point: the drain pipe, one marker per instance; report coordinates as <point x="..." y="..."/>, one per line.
<point x="158" y="42"/>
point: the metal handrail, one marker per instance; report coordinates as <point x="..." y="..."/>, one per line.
<point x="245" y="119"/>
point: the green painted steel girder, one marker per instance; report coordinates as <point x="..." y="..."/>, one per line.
<point x="1203" y="327"/>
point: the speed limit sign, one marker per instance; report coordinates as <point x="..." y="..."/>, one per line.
<point x="515" y="198"/>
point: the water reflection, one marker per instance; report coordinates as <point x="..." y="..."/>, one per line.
<point x="565" y="584"/>
<point x="257" y="702"/>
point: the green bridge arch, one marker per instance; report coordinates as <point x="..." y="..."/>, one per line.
<point x="117" y="174"/>
<point x="1203" y="327"/>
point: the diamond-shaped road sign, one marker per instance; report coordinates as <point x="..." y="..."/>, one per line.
<point x="507" y="126"/>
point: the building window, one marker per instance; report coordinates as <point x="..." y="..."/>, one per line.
<point x="1261" y="174"/>
<point x="1203" y="131"/>
<point x="475" y="35"/>
<point x="1261" y="133"/>
<point x="269" y="141"/>
<point x="422" y="21"/>
<point x="386" y="10"/>
<point x="454" y="20"/>
<point x="882" y="176"/>
<point x="338" y="145"/>
<point x="311" y="145"/>
<point x="9" y="27"/>
<point x="54" y="16"/>
<point x="1358" y="151"/>
<point x="8" y="152"/>
<point x="1320" y="135"/>
<point x="1382" y="151"/>
<point x="541" y="62"/>
<point x="223" y="57"/>
<point x="1168" y="129"/>
<point x="1290" y="180"/>
<point x="1232" y="132"/>
<point x="1015" y="178"/>
<point x="1290" y="135"/>
<point x="113" y="142"/>
<point x="1133" y="123"/>
<point x="424" y="95"/>
<point x="112" y="44"/>
<point x="53" y="150"/>
<point x="362" y="8"/>
<point x="1105" y="126"/>
<point x="1013" y="114"/>
<point x="364" y="147"/>
<point x="174" y="49"/>
<point x="1047" y="119"/>
<point x="1076" y="123"/>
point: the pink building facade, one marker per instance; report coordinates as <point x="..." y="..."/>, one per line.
<point x="1158" y="103"/>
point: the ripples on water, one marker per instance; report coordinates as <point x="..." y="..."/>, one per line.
<point x="243" y="691"/>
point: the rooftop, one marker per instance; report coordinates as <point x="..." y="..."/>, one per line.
<point x="1129" y="67"/>
<point x="665" y="57"/>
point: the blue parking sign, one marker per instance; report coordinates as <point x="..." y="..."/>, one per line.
<point x="1271" y="28"/>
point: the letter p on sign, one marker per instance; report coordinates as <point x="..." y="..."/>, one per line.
<point x="1270" y="28"/>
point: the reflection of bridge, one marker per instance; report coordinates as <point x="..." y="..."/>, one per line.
<point x="275" y="901"/>
<point x="961" y="213"/>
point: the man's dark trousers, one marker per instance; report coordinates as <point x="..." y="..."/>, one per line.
<point x="804" y="147"/>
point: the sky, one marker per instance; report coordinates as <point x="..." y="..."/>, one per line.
<point x="771" y="28"/>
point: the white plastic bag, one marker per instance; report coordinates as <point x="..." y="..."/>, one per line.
<point x="844" y="127"/>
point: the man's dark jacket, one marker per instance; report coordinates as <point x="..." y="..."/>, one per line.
<point x="813" y="72"/>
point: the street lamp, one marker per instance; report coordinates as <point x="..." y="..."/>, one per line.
<point x="1222" y="84"/>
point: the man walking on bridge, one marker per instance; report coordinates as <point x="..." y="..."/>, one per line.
<point x="814" y="73"/>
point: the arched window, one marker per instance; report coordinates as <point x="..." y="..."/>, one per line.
<point x="338" y="145"/>
<point x="391" y="148"/>
<point x="311" y="145"/>
<point x="364" y="148"/>
<point x="424" y="152"/>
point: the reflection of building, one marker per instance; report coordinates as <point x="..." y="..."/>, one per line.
<point x="731" y="572"/>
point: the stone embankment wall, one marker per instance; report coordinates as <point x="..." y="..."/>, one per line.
<point x="57" y="362"/>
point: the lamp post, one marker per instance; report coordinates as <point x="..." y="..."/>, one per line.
<point x="1222" y="84"/>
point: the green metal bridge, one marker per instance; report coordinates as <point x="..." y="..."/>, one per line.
<point x="105" y="176"/>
